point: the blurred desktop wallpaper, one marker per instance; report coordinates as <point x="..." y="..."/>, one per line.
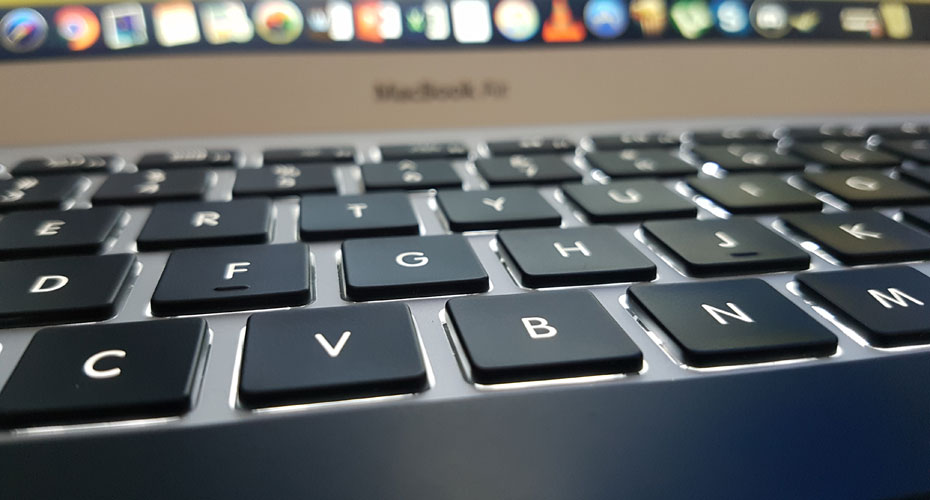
<point x="57" y="29"/>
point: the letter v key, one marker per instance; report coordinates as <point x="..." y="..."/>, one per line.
<point x="332" y="350"/>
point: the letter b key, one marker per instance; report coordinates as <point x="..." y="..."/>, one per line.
<point x="545" y="335"/>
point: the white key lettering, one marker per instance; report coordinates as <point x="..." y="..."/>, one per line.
<point x="853" y="155"/>
<point x="751" y="189"/>
<point x="579" y="247"/>
<point x="406" y="165"/>
<point x="862" y="183"/>
<point x="192" y="155"/>
<point x="67" y="161"/>
<point x="235" y="267"/>
<point x="206" y="219"/>
<point x="627" y="197"/>
<point x="411" y="177"/>
<point x="734" y="312"/>
<point x="285" y="182"/>
<point x="496" y="203"/>
<point x="859" y="232"/>
<point x="11" y="196"/>
<point x="155" y="176"/>
<point x="416" y="259"/>
<point x="644" y="164"/>
<point x="286" y="171"/>
<point x="525" y="165"/>
<point x="26" y="183"/>
<point x="148" y="188"/>
<point x="754" y="158"/>
<point x="333" y="350"/>
<point x="726" y="241"/>
<point x="356" y="209"/>
<point x="49" y="283"/>
<point x="94" y="373"/>
<point x="531" y="143"/>
<point x="894" y="296"/>
<point x="49" y="227"/>
<point x="539" y="328"/>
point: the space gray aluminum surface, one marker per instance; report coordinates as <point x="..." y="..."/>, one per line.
<point x="217" y="401"/>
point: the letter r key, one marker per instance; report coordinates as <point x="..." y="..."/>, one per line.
<point x="209" y="218"/>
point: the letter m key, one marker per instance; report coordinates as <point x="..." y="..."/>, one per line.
<point x="893" y="296"/>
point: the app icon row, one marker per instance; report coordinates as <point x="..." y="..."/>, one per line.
<point x="177" y="23"/>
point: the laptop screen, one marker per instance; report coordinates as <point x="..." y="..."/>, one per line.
<point x="121" y="71"/>
<point x="63" y="29"/>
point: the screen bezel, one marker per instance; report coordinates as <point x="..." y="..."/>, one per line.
<point x="108" y="99"/>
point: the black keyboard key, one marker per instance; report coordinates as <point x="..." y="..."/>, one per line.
<point x="205" y="280"/>
<point x="732" y="322"/>
<point x="573" y="256"/>
<point x="914" y="149"/>
<point x="67" y="164"/>
<point x="496" y="209"/>
<point x="57" y="232"/>
<point x="867" y="188"/>
<point x="522" y="169"/>
<point x="844" y="154"/>
<point x="63" y="289"/>
<point x="411" y="266"/>
<point x="918" y="216"/>
<point x="187" y="224"/>
<point x="424" y="151"/>
<point x="640" y="163"/>
<point x="861" y="236"/>
<point x="631" y="200"/>
<point x="409" y="174"/>
<point x="154" y="185"/>
<point x="194" y="158"/>
<point x="749" y="157"/>
<point x="834" y="132"/>
<point x="733" y="135"/>
<point x="651" y="140"/>
<point x="104" y="372"/>
<point x="904" y="131"/>
<point x="284" y="180"/>
<point x="888" y="304"/>
<point x="331" y="353"/>
<point x="35" y="192"/>
<point x="514" y="338"/>
<point x="331" y="217"/>
<point x="919" y="175"/>
<point x="754" y="194"/>
<point x="723" y="247"/>
<point x="325" y="154"/>
<point x="531" y="146"/>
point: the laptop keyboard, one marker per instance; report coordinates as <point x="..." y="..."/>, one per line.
<point x="212" y="284"/>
